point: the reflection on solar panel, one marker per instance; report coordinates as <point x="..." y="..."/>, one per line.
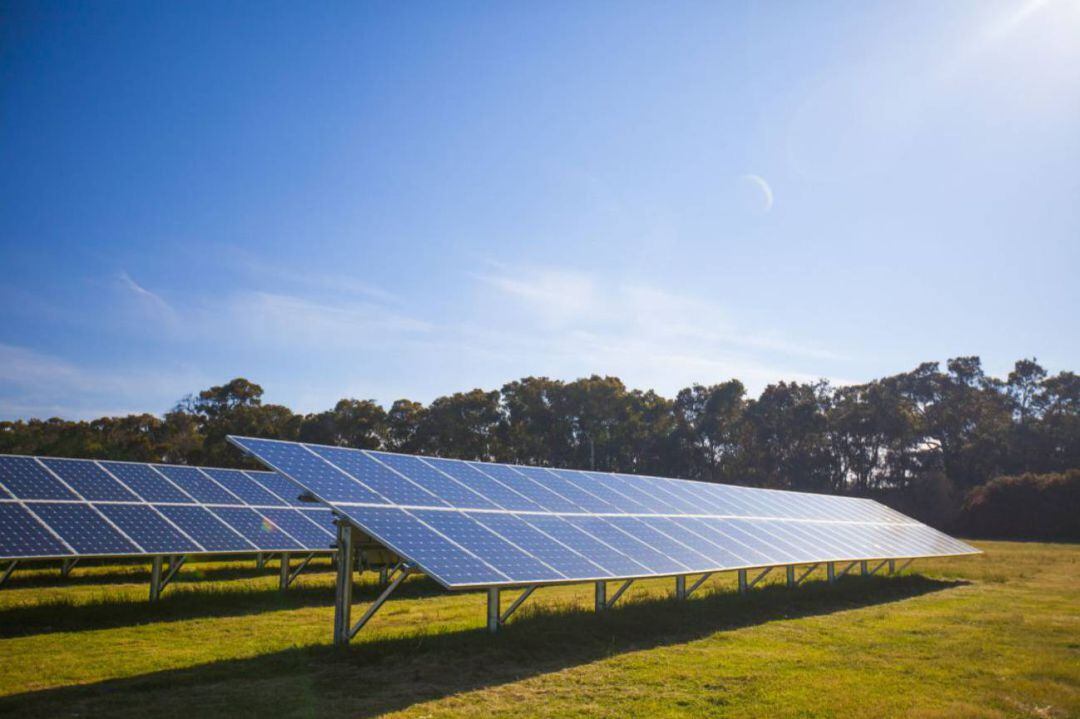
<point x="54" y="508"/>
<point x="470" y="524"/>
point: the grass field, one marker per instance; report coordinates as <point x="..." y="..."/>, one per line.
<point x="991" y="636"/>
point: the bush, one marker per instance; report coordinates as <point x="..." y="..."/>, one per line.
<point x="1027" y="506"/>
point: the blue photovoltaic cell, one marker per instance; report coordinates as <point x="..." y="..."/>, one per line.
<point x="322" y="517"/>
<point x="498" y="493"/>
<point x="585" y="501"/>
<point x="280" y="486"/>
<point x="615" y="562"/>
<point x="714" y="530"/>
<point x="497" y="552"/>
<point x="654" y="487"/>
<point x="83" y="528"/>
<point x="148" y="528"/>
<point x="655" y="503"/>
<point x="454" y="493"/>
<point x="260" y="531"/>
<point x="89" y="480"/>
<point x="556" y="555"/>
<point x="299" y="527"/>
<point x="198" y="485"/>
<point x="666" y="545"/>
<point x="642" y="553"/>
<point x="438" y="557"/>
<point x="719" y="554"/>
<point x="146" y="483"/>
<point x="205" y="528"/>
<point x="26" y="479"/>
<point x="694" y="496"/>
<point x="618" y="502"/>
<point x="308" y="470"/>
<point x="523" y="485"/>
<point x="245" y="487"/>
<point x="760" y="530"/>
<point x="23" y="536"/>
<point x="379" y="478"/>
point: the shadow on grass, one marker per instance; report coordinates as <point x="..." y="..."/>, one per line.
<point x="181" y="601"/>
<point x="387" y="674"/>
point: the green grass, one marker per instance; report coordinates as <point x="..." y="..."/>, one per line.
<point x="991" y="636"/>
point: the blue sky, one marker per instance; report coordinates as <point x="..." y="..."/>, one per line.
<point x="405" y="199"/>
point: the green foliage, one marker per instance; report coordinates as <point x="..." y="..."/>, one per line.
<point x="920" y="440"/>
<point x="1033" y="506"/>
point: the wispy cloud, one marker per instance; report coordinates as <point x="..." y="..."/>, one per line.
<point x="37" y="384"/>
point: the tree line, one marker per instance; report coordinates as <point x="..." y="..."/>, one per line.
<point x="923" y="441"/>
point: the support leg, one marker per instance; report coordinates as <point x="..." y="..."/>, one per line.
<point x="864" y="568"/>
<point x="892" y="566"/>
<point x="493" y="609"/>
<point x="67" y="566"/>
<point x="601" y="596"/>
<point x="7" y="571"/>
<point x="791" y="575"/>
<point x="830" y="570"/>
<point x="260" y="560"/>
<point x="742" y="581"/>
<point x="680" y="587"/>
<point x="283" y="581"/>
<point x="384" y="575"/>
<point x="155" y="578"/>
<point x="343" y="593"/>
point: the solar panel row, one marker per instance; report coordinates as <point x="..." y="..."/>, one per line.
<point x="51" y="507"/>
<point x="486" y="524"/>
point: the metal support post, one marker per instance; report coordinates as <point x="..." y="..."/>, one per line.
<point x="830" y="569"/>
<point x="892" y="566"/>
<point x="742" y="581"/>
<point x="7" y="571"/>
<point x="283" y="581"/>
<point x="601" y="596"/>
<point x="260" y="561"/>
<point x="680" y="587"/>
<point x="343" y="592"/>
<point x="66" y="566"/>
<point x="384" y="575"/>
<point x="864" y="568"/>
<point x="790" y="569"/>
<point x="493" y="609"/>
<point x="155" y="578"/>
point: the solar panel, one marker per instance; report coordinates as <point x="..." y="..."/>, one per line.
<point x="479" y="523"/>
<point x="25" y="478"/>
<point x="56" y="507"/>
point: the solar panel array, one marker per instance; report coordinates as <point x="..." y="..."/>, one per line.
<point x="469" y="524"/>
<point x="63" y="508"/>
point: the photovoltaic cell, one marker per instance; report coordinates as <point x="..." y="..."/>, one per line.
<point x="26" y="479"/>
<point x="299" y="527"/>
<point x="246" y="487"/>
<point x="279" y="486"/>
<point x="439" y="557"/>
<point x="205" y="528"/>
<point x="83" y="528"/>
<point x="257" y="529"/>
<point x="89" y="480"/>
<point x="198" y="485"/>
<point x="309" y="470"/>
<point x="148" y="528"/>
<point x="377" y="478"/>
<point x="441" y="485"/>
<point x="145" y="482"/>
<point x="521" y="484"/>
<point x="540" y="545"/>
<point x="499" y="494"/>
<point x="23" y="536"/>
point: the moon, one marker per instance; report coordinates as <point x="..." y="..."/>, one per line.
<point x="756" y="192"/>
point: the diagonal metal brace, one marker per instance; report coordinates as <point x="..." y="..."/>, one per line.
<point x="67" y="566"/>
<point x="698" y="583"/>
<point x="618" y="593"/>
<point x="8" y="570"/>
<point x="903" y="566"/>
<point x="516" y="603"/>
<point x="377" y="604"/>
<point x="174" y="567"/>
<point x="759" y="577"/>
<point x="291" y="577"/>
<point x="875" y="570"/>
<point x="806" y="574"/>
<point x="847" y="569"/>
